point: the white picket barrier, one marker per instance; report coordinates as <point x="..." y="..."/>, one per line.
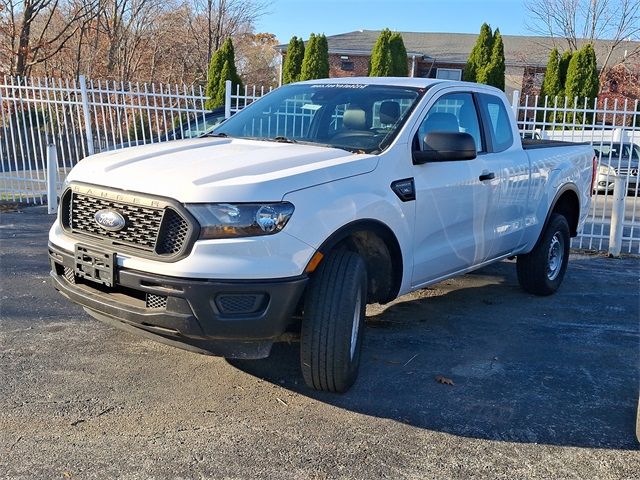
<point x="237" y="98"/>
<point x="81" y="118"/>
<point x="613" y="128"/>
<point x="86" y="116"/>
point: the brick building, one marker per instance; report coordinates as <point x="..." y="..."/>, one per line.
<point x="444" y="55"/>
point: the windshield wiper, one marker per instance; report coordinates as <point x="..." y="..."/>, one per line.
<point x="282" y="139"/>
<point x="219" y="135"/>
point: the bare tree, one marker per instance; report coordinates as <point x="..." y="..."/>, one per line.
<point x="226" y="18"/>
<point x="615" y="21"/>
<point x="40" y="29"/>
<point x="257" y="59"/>
<point x="129" y="40"/>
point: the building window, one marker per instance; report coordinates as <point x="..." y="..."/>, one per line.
<point x="538" y="79"/>
<point x="346" y="65"/>
<point x="449" y="73"/>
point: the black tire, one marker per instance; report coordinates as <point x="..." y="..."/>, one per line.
<point x="333" y="322"/>
<point x="542" y="270"/>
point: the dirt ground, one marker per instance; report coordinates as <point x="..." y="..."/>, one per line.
<point x="543" y="387"/>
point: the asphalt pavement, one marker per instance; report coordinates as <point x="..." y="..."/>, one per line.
<point x="542" y="387"/>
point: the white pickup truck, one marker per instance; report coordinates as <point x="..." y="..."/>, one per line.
<point x="315" y="200"/>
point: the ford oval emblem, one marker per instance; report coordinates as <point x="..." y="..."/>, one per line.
<point x="110" y="220"/>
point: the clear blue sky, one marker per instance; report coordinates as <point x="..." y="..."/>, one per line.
<point x="301" y="17"/>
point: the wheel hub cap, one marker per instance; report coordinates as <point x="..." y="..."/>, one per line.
<point x="555" y="256"/>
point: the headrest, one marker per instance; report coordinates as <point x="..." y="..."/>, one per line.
<point x="467" y="116"/>
<point x="354" y="118"/>
<point x="389" y="112"/>
<point x="442" y="122"/>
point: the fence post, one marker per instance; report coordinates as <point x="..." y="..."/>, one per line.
<point x="617" y="215"/>
<point x="87" y="115"/>
<point x="227" y="99"/>
<point x="52" y="179"/>
<point x="515" y="103"/>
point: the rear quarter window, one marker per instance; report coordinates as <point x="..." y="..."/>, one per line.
<point x="498" y="122"/>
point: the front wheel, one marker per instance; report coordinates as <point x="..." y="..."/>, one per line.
<point x="333" y="322"/>
<point x="542" y="270"/>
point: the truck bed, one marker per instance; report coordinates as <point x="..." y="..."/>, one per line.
<point x="535" y="143"/>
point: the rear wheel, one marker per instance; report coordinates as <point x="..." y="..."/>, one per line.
<point x="542" y="270"/>
<point x="333" y="322"/>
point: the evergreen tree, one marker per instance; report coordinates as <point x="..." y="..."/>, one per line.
<point x="213" y="76"/>
<point x="381" y="56"/>
<point x="315" y="63"/>
<point x="323" y="56"/>
<point x="582" y="74"/>
<point x="217" y="74"/>
<point x="591" y="85"/>
<point x="480" y="55"/>
<point x="293" y="61"/>
<point x="225" y="75"/>
<point x="582" y="80"/>
<point x="493" y="73"/>
<point x="398" y="55"/>
<point x="563" y="66"/>
<point x="551" y="85"/>
<point x="309" y="58"/>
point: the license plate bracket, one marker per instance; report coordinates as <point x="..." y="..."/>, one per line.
<point x="95" y="265"/>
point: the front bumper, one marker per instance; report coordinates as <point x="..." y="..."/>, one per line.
<point x="235" y="319"/>
<point x="606" y="182"/>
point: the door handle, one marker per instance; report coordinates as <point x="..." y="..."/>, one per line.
<point x="487" y="176"/>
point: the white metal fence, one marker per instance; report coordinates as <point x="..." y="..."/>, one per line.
<point x="81" y="118"/>
<point x="612" y="127"/>
<point x="84" y="117"/>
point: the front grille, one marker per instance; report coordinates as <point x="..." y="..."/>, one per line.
<point x="156" y="227"/>
<point x="173" y="234"/>
<point x="142" y="225"/>
<point x="632" y="172"/>
<point x="156" y="301"/>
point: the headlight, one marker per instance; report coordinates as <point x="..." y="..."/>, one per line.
<point x="225" y="220"/>
<point x="606" y="170"/>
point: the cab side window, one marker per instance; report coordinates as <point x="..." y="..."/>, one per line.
<point x="499" y="125"/>
<point x="455" y="112"/>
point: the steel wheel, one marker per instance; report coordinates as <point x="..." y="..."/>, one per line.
<point x="555" y="256"/>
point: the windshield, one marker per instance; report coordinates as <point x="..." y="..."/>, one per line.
<point x="628" y="151"/>
<point x="358" y="118"/>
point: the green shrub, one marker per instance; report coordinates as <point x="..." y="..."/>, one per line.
<point x="292" y="66"/>
<point x="315" y="63"/>
<point x="217" y="74"/>
<point x="480" y="55"/>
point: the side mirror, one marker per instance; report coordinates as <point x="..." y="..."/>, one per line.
<point x="445" y="147"/>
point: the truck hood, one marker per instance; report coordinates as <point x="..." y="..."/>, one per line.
<point x="220" y="169"/>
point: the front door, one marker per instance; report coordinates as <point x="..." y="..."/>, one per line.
<point x="454" y="200"/>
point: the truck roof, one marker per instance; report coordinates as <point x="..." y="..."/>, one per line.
<point x="395" y="81"/>
<point x="415" y="82"/>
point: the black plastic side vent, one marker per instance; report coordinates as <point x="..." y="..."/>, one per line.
<point x="405" y="189"/>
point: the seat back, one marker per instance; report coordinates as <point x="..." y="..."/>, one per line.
<point x="389" y="112"/>
<point x="441" y="122"/>
<point x="354" y="118"/>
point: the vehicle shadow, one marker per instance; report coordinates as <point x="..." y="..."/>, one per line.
<point x="558" y="370"/>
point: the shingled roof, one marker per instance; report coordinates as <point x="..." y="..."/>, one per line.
<point x="455" y="47"/>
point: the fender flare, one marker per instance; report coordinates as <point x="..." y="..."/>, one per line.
<point x="567" y="187"/>
<point x="388" y="237"/>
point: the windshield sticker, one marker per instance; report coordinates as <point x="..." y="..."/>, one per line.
<point x="339" y="85"/>
<point x="311" y="106"/>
